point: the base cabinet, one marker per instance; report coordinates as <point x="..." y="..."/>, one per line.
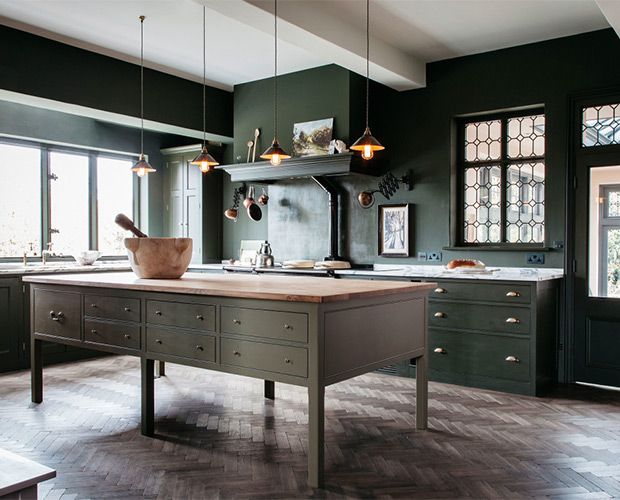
<point x="12" y="345"/>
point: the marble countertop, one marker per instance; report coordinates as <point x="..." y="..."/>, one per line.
<point x="411" y="271"/>
<point x="15" y="268"/>
<point x="493" y="273"/>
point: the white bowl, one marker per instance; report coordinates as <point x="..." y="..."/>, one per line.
<point x="87" y="258"/>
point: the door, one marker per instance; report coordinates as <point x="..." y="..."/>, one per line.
<point x="596" y="298"/>
<point x="192" y="204"/>
<point x="175" y="215"/>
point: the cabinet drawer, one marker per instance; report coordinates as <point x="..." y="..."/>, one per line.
<point x="180" y="314"/>
<point x="269" y="324"/>
<point x="186" y="345"/>
<point x="503" y="319"/>
<point x="117" y="334"/>
<point x="484" y="355"/>
<point x="101" y="306"/>
<point x="268" y="357"/>
<point x="57" y="313"/>
<point x="491" y="292"/>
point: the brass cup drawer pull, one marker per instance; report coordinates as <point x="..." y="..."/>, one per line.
<point x="513" y="294"/>
<point x="56" y="316"/>
<point x="287" y="361"/>
<point x="237" y="321"/>
<point x="127" y="309"/>
<point x="200" y="317"/>
<point x="236" y="353"/>
<point x="199" y="348"/>
<point x="94" y="306"/>
<point x="440" y="290"/>
<point x="127" y="336"/>
<point x="158" y="341"/>
<point x="439" y="315"/>
<point x="512" y="320"/>
<point x="440" y="350"/>
<point x="157" y="313"/>
<point x="287" y="326"/>
<point x="512" y="359"/>
<point x="93" y="331"/>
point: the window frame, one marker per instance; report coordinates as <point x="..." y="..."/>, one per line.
<point x="458" y="179"/>
<point x="93" y="226"/>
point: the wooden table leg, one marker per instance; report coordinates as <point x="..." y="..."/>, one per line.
<point x="316" y="435"/>
<point x="270" y="389"/>
<point x="148" y="397"/>
<point x="421" y="399"/>
<point x="36" y="371"/>
<point x="160" y="369"/>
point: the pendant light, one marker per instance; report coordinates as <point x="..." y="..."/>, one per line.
<point x="275" y="154"/>
<point x="204" y="160"/>
<point x="367" y="144"/>
<point x="142" y="167"/>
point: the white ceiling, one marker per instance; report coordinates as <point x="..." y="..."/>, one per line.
<point x="406" y="34"/>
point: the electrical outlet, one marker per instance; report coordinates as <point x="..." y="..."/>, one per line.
<point x="558" y="244"/>
<point x="434" y="256"/>
<point x="535" y="258"/>
<point x="421" y="255"/>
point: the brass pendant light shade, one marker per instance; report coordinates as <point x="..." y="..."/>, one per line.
<point x="204" y="160"/>
<point x="274" y="153"/>
<point x="142" y="167"/>
<point x="367" y="144"/>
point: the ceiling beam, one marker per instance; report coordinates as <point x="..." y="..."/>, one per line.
<point x="310" y="26"/>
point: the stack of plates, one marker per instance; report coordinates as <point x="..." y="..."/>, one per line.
<point x="298" y="264"/>
<point x="333" y="264"/>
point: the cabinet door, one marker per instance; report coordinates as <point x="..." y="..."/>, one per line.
<point x="175" y="214"/>
<point x="11" y="316"/>
<point x="193" y="207"/>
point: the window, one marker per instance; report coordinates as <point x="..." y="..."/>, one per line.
<point x="20" y="206"/>
<point x="64" y="196"/>
<point x="600" y="125"/>
<point x="502" y="170"/>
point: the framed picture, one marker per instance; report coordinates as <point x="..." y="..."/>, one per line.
<point x="312" y="138"/>
<point x="394" y="230"/>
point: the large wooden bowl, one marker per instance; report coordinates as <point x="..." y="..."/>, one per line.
<point x="159" y="258"/>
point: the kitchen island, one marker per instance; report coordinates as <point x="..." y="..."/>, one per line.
<point x="304" y="331"/>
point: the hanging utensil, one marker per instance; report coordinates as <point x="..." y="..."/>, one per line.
<point x="249" y="144"/>
<point x="249" y="199"/>
<point x="263" y="199"/>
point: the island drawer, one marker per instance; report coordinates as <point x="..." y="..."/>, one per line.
<point x="175" y="343"/>
<point x="262" y="356"/>
<point x="504" y="319"/>
<point x="264" y="323"/>
<point x="181" y="314"/>
<point x="483" y="292"/>
<point x="478" y="354"/>
<point x="57" y="313"/>
<point x="117" y="334"/>
<point x="100" y="306"/>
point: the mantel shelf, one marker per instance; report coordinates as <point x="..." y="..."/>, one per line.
<point x="309" y="166"/>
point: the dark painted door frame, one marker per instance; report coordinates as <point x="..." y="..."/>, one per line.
<point x="576" y="156"/>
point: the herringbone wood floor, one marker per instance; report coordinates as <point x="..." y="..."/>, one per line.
<point x="218" y="437"/>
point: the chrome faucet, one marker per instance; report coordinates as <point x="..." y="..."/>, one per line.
<point x="47" y="253"/>
<point x="25" y="256"/>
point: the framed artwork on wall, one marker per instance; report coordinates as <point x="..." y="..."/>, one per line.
<point x="312" y="138"/>
<point x="394" y="230"/>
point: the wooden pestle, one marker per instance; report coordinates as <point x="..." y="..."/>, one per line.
<point x="127" y="224"/>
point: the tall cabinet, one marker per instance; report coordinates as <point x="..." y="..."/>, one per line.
<point x="192" y="203"/>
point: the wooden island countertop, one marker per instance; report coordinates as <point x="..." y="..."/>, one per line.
<point x="285" y="288"/>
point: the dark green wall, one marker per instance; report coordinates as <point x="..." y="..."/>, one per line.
<point x="417" y="128"/>
<point x="33" y="65"/>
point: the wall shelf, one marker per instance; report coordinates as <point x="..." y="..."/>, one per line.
<point x="309" y="166"/>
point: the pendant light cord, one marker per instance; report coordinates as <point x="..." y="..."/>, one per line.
<point x="204" y="78"/>
<point x="142" y="85"/>
<point x="367" y="59"/>
<point x="275" y="69"/>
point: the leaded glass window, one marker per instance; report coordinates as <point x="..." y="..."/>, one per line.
<point x="503" y="174"/>
<point x="600" y="125"/>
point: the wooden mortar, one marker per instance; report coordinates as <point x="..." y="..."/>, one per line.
<point x="159" y="258"/>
